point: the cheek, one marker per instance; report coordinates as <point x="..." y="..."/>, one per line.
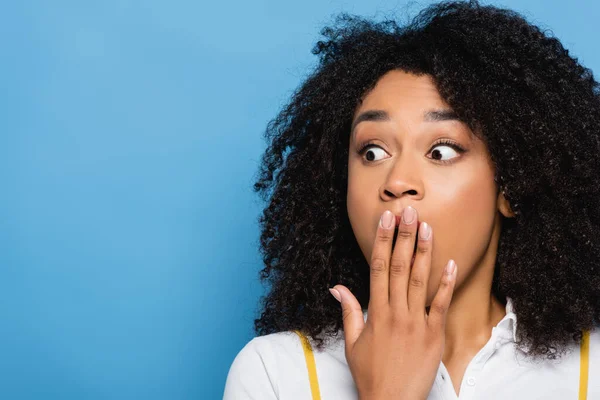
<point x="463" y="228"/>
<point x="362" y="203"/>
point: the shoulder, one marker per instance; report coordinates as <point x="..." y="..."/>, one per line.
<point x="273" y="349"/>
<point x="276" y="341"/>
<point x="258" y="368"/>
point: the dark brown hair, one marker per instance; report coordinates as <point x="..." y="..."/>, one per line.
<point x="534" y="105"/>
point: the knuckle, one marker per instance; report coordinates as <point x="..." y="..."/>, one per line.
<point x="385" y="235"/>
<point x="404" y="234"/>
<point x="417" y="282"/>
<point x="398" y="320"/>
<point x="444" y="284"/>
<point x="380" y="318"/>
<point x="399" y="267"/>
<point x="438" y="308"/>
<point x="405" y="325"/>
<point x="378" y="265"/>
<point x="346" y="314"/>
<point x="422" y="248"/>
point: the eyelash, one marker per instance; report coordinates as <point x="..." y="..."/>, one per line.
<point x="458" y="148"/>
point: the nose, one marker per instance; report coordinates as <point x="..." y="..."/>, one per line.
<point x="403" y="180"/>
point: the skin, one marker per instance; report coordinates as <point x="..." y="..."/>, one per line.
<point x="460" y="202"/>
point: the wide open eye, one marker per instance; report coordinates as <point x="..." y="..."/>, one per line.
<point x="372" y="152"/>
<point x="446" y="151"/>
<point x="444" y="154"/>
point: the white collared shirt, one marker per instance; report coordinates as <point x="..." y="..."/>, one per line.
<point x="274" y="367"/>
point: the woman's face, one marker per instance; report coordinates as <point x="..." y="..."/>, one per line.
<point x="414" y="158"/>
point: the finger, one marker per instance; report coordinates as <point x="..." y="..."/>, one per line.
<point x="352" y="315"/>
<point x="441" y="302"/>
<point x="402" y="258"/>
<point x="419" y="274"/>
<point x="380" y="259"/>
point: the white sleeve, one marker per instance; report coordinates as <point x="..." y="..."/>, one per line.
<point x="250" y="377"/>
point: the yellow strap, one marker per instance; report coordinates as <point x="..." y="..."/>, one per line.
<point x="584" y="360"/>
<point x="311" y="366"/>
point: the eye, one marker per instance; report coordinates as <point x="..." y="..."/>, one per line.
<point x="372" y="152"/>
<point x="446" y="151"/>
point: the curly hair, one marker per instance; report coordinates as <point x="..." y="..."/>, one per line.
<point x="536" y="108"/>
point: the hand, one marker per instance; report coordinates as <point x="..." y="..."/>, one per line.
<point x="397" y="352"/>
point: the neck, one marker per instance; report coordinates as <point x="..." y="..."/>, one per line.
<point x="471" y="317"/>
<point x="474" y="310"/>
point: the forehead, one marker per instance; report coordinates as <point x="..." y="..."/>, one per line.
<point x="400" y="92"/>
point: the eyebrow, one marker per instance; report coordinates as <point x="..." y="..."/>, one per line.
<point x="429" y="116"/>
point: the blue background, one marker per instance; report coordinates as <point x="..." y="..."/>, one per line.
<point x="130" y="136"/>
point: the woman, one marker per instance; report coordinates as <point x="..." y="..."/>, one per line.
<point x="442" y="179"/>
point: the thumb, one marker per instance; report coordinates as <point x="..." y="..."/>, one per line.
<point x="352" y="314"/>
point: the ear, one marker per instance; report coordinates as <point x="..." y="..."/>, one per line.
<point x="504" y="205"/>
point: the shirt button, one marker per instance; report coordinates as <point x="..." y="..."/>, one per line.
<point x="471" y="381"/>
<point x="497" y="345"/>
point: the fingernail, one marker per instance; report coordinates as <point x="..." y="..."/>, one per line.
<point x="336" y="294"/>
<point x="450" y="267"/>
<point x="387" y="220"/>
<point x="408" y="215"/>
<point x="424" y="231"/>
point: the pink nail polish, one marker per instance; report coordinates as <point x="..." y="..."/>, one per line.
<point x="424" y="231"/>
<point x="336" y="294"/>
<point x="450" y="267"/>
<point x="387" y="220"/>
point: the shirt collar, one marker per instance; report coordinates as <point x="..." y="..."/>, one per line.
<point x="508" y="324"/>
